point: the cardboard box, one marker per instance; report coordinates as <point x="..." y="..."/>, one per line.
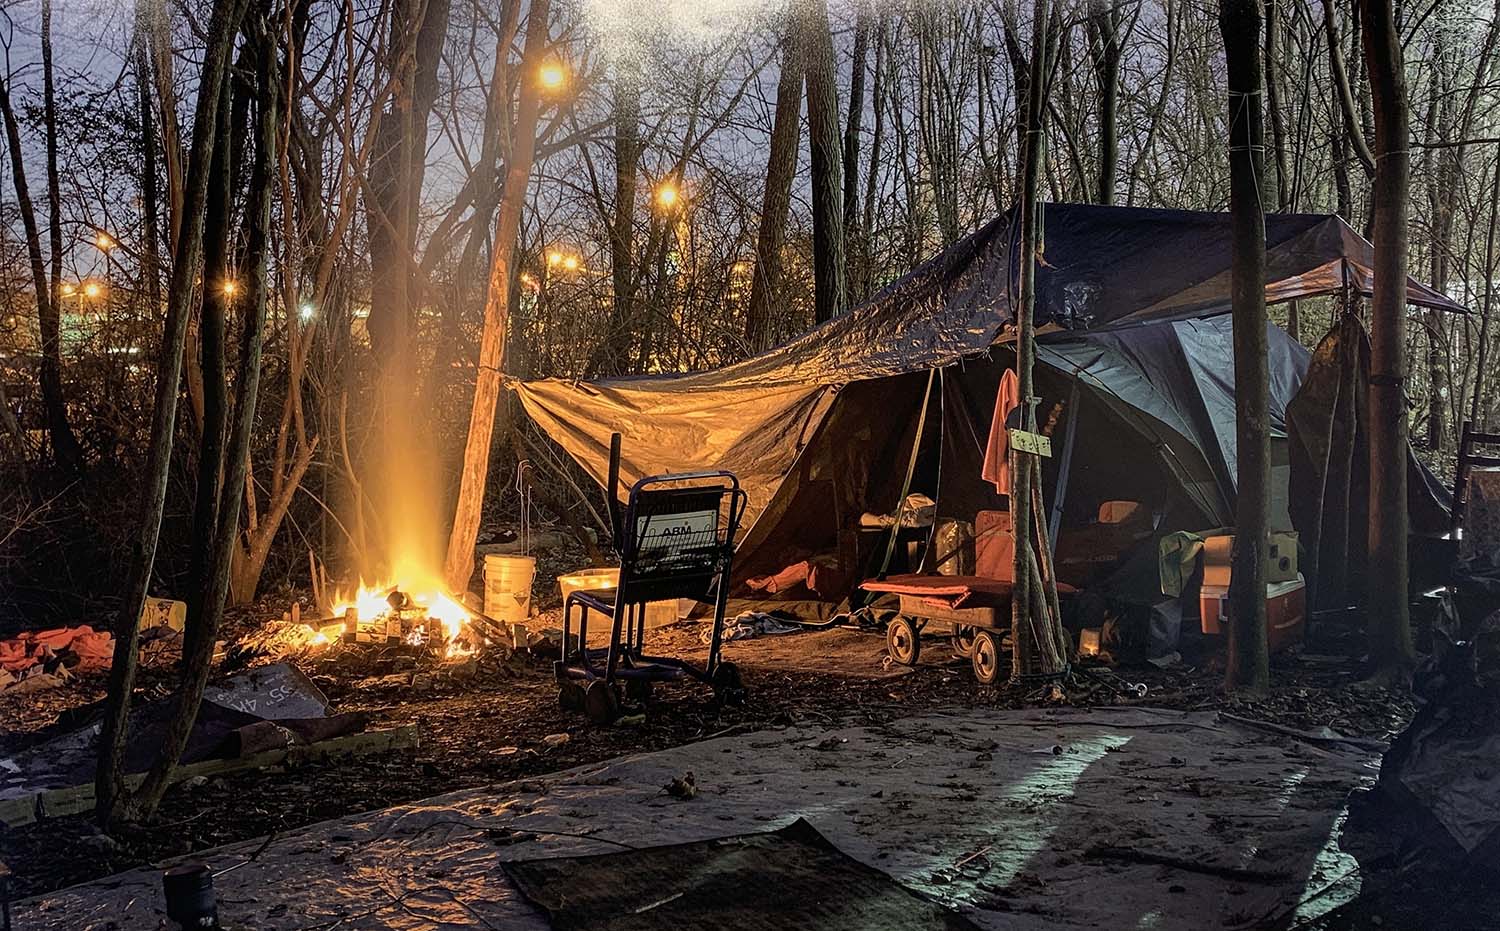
<point x="1281" y="558"/>
<point x="1286" y="612"/>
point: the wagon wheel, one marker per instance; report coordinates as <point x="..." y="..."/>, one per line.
<point x="570" y="695"/>
<point x="986" y="656"/>
<point x="729" y="686"/>
<point x="902" y="641"/>
<point x="600" y="702"/>
<point x="963" y="639"/>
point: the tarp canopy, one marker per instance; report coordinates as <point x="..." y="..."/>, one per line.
<point x="1102" y="268"/>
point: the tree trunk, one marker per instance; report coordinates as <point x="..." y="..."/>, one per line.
<point x="1036" y="636"/>
<point x="487" y="380"/>
<point x="150" y="197"/>
<point x="109" y="780"/>
<point x="853" y="232"/>
<point x="1352" y="128"/>
<point x="48" y="314"/>
<point x="1390" y="628"/>
<point x="212" y="312"/>
<point x="776" y="202"/>
<point x="1278" y="180"/>
<point x="1480" y="367"/>
<point x="198" y="647"/>
<point x="1104" y="24"/>
<point x="829" y="269"/>
<point x="1240" y="23"/>
<point x="64" y="443"/>
<point x="609" y="357"/>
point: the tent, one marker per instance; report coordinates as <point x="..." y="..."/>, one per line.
<point x="1131" y="305"/>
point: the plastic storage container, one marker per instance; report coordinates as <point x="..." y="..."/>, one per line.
<point x="658" y="613"/>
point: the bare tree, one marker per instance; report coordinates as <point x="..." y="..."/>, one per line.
<point x="1390" y="626"/>
<point x="829" y="268"/>
<point x="1240" y="22"/>
<point x="781" y="169"/>
<point x="487" y="380"/>
<point x="110" y="779"/>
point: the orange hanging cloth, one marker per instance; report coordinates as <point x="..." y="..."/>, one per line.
<point x="996" y="453"/>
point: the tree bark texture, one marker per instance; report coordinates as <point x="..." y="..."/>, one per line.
<point x="487" y="380"/>
<point x="1390" y="628"/>
<point x="213" y="587"/>
<point x="1240" y="23"/>
<point x="776" y="202"/>
<point x="829" y="271"/>
<point x="141" y="556"/>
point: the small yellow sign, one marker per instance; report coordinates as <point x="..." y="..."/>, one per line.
<point x="1033" y="443"/>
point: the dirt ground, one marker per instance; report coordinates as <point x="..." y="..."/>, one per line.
<point x="494" y="726"/>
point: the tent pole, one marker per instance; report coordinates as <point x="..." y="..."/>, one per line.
<point x="1064" y="467"/>
<point x="911" y="470"/>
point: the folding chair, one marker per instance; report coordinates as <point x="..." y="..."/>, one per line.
<point x="675" y="540"/>
<point x="1470" y="440"/>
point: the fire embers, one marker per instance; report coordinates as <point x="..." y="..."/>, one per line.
<point x="392" y="616"/>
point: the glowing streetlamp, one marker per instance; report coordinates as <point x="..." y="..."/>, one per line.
<point x="230" y="288"/>
<point x="554" y="257"/>
<point x="69" y="289"/>
<point x="667" y="195"/>
<point x="570" y="263"/>
<point x="92" y="289"/>
<point x="306" y="311"/>
<point x="104" y="241"/>
<point x="552" y="76"/>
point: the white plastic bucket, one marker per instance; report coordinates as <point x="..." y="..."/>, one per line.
<point x="507" y="587"/>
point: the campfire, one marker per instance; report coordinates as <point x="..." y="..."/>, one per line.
<point x="424" y="618"/>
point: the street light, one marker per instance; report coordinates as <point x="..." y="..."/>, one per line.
<point x="552" y="76"/>
<point x="92" y="289"/>
<point x="69" y="289"/>
<point x="570" y="263"/>
<point x="667" y="195"/>
<point x="104" y="241"/>
<point x="230" y="287"/>
<point x="306" y="311"/>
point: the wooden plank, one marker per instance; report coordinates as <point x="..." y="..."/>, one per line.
<point x="75" y="800"/>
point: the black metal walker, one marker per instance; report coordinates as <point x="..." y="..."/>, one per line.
<point x="675" y="540"/>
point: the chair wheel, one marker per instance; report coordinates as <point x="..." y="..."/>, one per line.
<point x="570" y="695"/>
<point x="600" y="702"/>
<point x="986" y="656"/>
<point x="729" y="686"/>
<point x="902" y="641"/>
<point x="963" y="640"/>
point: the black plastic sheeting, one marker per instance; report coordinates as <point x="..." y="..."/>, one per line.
<point x="789" y="878"/>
